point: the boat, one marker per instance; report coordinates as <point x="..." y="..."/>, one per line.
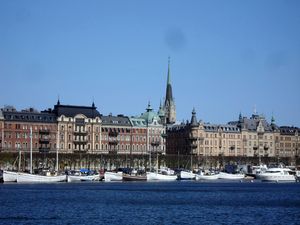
<point x="82" y="175"/>
<point x="277" y="174"/>
<point x="10" y="176"/>
<point x="134" y="177"/>
<point x="77" y="178"/>
<point x="231" y="176"/>
<point x="113" y="176"/>
<point x="187" y="175"/>
<point x="151" y="176"/>
<point x="208" y="176"/>
<point x="36" y="178"/>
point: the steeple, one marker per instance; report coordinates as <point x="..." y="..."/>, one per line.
<point x="240" y="117"/>
<point x="194" y="119"/>
<point x="272" y="120"/>
<point x="58" y="102"/>
<point x="169" y="105"/>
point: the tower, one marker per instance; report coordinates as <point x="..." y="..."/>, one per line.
<point x="169" y="106"/>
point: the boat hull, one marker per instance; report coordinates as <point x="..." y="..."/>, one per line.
<point x="156" y="176"/>
<point x="276" y="178"/>
<point x="207" y="177"/>
<point x="228" y="176"/>
<point x="184" y="175"/>
<point x="134" y="178"/>
<point x="10" y="176"/>
<point x="112" y="176"/>
<point x="34" y="178"/>
<point x="74" y="178"/>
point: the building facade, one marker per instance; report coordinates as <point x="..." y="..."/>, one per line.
<point x="17" y="126"/>
<point x="246" y="137"/>
<point x="78" y="128"/>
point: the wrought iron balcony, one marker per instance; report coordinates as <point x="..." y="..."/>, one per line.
<point x="44" y="132"/>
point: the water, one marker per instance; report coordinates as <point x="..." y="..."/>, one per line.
<point x="150" y="203"/>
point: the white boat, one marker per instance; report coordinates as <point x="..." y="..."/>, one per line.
<point x="35" y="178"/>
<point x="187" y="175"/>
<point x="78" y="178"/>
<point x="10" y="176"/>
<point x="277" y="174"/>
<point x="113" y="176"/>
<point x="158" y="176"/>
<point x="203" y="176"/>
<point x="229" y="176"/>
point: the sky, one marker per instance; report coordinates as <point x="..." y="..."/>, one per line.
<point x="226" y="57"/>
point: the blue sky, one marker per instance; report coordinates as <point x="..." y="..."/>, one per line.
<point x="226" y="56"/>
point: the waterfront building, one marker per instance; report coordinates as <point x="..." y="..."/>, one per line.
<point x="116" y="134"/>
<point x="156" y="130"/>
<point x="16" y="127"/>
<point x="79" y="128"/>
<point x="289" y="142"/>
<point x="169" y="107"/>
<point x="246" y="137"/>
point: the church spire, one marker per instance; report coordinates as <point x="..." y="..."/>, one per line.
<point x="169" y="105"/>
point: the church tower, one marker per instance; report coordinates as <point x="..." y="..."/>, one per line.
<point x="169" y="106"/>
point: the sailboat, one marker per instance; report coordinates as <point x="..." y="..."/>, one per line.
<point x="163" y="174"/>
<point x="11" y="176"/>
<point x="36" y="178"/>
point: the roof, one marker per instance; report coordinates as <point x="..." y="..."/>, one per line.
<point x="150" y="116"/>
<point x="138" y="122"/>
<point x="40" y="117"/>
<point x="286" y="130"/>
<point x="227" y="128"/>
<point x="72" y="111"/>
<point x="252" y="123"/>
<point x="119" y="120"/>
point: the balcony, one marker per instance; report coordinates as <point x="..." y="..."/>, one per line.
<point x="44" y="140"/>
<point x="155" y="143"/>
<point x="232" y="147"/>
<point x="44" y="132"/>
<point x="80" y="141"/>
<point x="78" y="132"/>
<point x="266" y="147"/>
<point x="113" y="142"/>
<point x="193" y="146"/>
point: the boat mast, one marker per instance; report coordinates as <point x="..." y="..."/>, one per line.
<point x="57" y="160"/>
<point x="20" y="154"/>
<point x="30" y="150"/>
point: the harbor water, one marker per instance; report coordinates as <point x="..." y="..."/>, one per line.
<point x="178" y="202"/>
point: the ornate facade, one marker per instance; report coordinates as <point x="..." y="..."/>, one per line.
<point x="16" y="126"/>
<point x="247" y="137"/>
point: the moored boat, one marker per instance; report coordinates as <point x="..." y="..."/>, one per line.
<point x="36" y="178"/>
<point x="10" y="176"/>
<point x="113" y="176"/>
<point x="127" y="177"/>
<point x="187" y="175"/>
<point x="230" y="176"/>
<point x="277" y="175"/>
<point x="202" y="176"/>
<point x="78" y="178"/>
<point x="162" y="177"/>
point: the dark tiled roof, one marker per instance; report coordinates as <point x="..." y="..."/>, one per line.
<point x="227" y="128"/>
<point x="71" y="111"/>
<point x="119" y="120"/>
<point x="252" y="123"/>
<point x="30" y="117"/>
<point x="285" y="130"/>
